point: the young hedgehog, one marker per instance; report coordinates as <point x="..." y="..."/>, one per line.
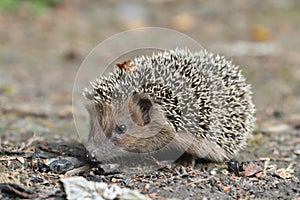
<point x="195" y="102"/>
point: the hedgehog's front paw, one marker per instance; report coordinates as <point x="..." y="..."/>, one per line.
<point x="185" y="159"/>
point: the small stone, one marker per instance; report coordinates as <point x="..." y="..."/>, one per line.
<point x="233" y="166"/>
<point x="277" y="128"/>
<point x="213" y="172"/>
<point x="297" y="149"/>
<point x="61" y="166"/>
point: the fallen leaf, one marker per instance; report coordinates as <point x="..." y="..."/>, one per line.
<point x="226" y="188"/>
<point x="184" y="21"/>
<point x="260" y="33"/>
<point x="153" y="195"/>
<point x="21" y="160"/>
<point x="251" y="169"/>
<point x="48" y="124"/>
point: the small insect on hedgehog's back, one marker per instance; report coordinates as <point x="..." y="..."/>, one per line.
<point x="194" y="102"/>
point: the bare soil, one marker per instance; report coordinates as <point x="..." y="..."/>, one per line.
<point x="40" y="54"/>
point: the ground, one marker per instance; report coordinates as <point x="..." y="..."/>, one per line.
<point x="42" y="48"/>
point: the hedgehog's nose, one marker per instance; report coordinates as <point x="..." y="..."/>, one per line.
<point x="92" y="156"/>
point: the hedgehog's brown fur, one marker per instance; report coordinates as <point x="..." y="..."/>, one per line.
<point x="155" y="116"/>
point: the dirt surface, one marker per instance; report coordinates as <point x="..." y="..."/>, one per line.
<point x="40" y="53"/>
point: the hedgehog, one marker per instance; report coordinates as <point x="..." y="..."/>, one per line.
<point x="195" y="102"/>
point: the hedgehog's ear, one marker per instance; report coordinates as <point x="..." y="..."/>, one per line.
<point x="140" y="107"/>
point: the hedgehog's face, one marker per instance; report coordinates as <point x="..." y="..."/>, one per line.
<point x="140" y="125"/>
<point x="137" y="126"/>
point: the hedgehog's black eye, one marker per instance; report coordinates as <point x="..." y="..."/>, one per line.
<point x="120" y="129"/>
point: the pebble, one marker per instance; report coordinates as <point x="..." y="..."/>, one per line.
<point x="278" y="128"/>
<point x="61" y="166"/>
<point x="297" y="149"/>
<point x="213" y="172"/>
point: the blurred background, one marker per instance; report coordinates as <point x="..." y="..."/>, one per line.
<point x="43" y="43"/>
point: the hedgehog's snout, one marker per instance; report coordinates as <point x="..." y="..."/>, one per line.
<point x="92" y="156"/>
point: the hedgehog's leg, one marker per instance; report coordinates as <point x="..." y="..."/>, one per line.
<point x="185" y="159"/>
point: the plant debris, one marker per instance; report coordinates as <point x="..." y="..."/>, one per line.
<point x="36" y="124"/>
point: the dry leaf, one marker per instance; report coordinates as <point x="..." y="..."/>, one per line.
<point x="251" y="169"/>
<point x="184" y="21"/>
<point x="153" y="195"/>
<point x="260" y="33"/>
<point x="21" y="160"/>
<point x="226" y="189"/>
